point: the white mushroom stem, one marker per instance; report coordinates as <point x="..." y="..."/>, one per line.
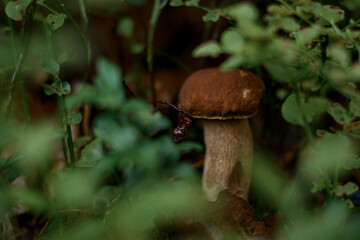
<point x="228" y="157"/>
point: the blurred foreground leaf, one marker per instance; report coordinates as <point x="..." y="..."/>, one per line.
<point x="333" y="151"/>
<point x="15" y="9"/>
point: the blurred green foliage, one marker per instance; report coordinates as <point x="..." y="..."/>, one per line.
<point x="128" y="176"/>
<point x="123" y="175"/>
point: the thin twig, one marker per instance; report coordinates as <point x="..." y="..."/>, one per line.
<point x="171" y="105"/>
<point x="161" y="101"/>
<point x="45" y="226"/>
<point x="128" y="89"/>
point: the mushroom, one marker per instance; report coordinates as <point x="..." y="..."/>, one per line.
<point x="225" y="100"/>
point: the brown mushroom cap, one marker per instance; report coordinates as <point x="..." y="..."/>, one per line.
<point x="214" y="94"/>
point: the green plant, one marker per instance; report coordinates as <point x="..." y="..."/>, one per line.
<point x="124" y="167"/>
<point x="125" y="179"/>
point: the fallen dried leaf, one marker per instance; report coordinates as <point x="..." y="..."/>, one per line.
<point x="182" y="128"/>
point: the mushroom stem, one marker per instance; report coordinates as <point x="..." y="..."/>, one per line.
<point x="228" y="157"/>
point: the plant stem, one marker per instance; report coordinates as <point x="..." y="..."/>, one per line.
<point x="62" y="125"/>
<point x="83" y="13"/>
<point x="294" y="12"/>
<point x="60" y="105"/>
<point x="327" y="186"/>
<point x="70" y="143"/>
<point x="84" y="39"/>
<point x="48" y="8"/>
<point x="17" y="69"/>
<point x="304" y="119"/>
<point x="357" y="22"/>
<point x="12" y="34"/>
<point x="26" y="32"/>
<point x="150" y="45"/>
<point x="338" y="31"/>
<point x="88" y="16"/>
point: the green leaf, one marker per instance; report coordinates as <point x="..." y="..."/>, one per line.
<point x="125" y="27"/>
<point x="351" y="163"/>
<point x="137" y="48"/>
<point x="284" y="72"/>
<point x="192" y="3"/>
<point x="354" y="106"/>
<point x="278" y="10"/>
<point x="306" y="36"/>
<point x="109" y="75"/>
<point x="288" y="24"/>
<point x="255" y="32"/>
<point x="315" y="106"/>
<point x="322" y="132"/>
<point x="49" y="90"/>
<point x="210" y="48"/>
<point x="232" y="41"/>
<point x="91" y="154"/>
<point x="339" y="114"/>
<point x="212" y="16"/>
<point x="87" y="94"/>
<point x="332" y="13"/>
<point x="232" y="62"/>
<point x="14" y="9"/>
<point x="318" y="185"/>
<point x="73" y="118"/>
<point x="58" y="87"/>
<point x="62" y="88"/>
<point x="339" y="54"/>
<point x="116" y="137"/>
<point x="81" y="141"/>
<point x="55" y="21"/>
<point x="176" y="3"/>
<point x="312" y="8"/>
<point x="243" y="11"/>
<point x="291" y="112"/>
<point x="347" y="189"/>
<point x="294" y="114"/>
<point x="49" y="65"/>
<point x="332" y="151"/>
<point x="142" y="115"/>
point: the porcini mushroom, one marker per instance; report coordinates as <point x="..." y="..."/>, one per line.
<point x="225" y="100"/>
